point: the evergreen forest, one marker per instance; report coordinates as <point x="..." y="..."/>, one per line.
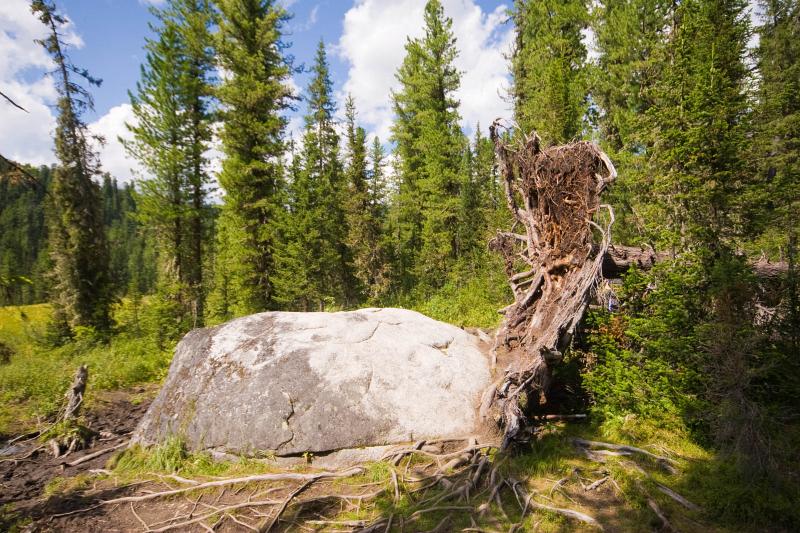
<point x="696" y="103"/>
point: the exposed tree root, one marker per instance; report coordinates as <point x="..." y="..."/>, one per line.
<point x="665" y="524"/>
<point x="468" y="481"/>
<point x="553" y="194"/>
<point x="98" y="453"/>
<point x="620" y="449"/>
<point x="677" y="497"/>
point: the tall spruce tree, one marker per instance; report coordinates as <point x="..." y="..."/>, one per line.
<point x="698" y="126"/>
<point x="548" y="65"/>
<point x="630" y="36"/>
<point x="364" y="208"/>
<point x="775" y="199"/>
<point x="253" y="95"/>
<point x="315" y="267"/>
<point x="23" y="235"/>
<point x="171" y="134"/>
<point x="429" y="151"/>
<point x="479" y="202"/>
<point x="83" y="291"/>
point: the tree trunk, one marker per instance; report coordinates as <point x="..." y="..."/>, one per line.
<point x="619" y="259"/>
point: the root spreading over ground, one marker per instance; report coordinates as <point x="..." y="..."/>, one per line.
<point x="428" y="486"/>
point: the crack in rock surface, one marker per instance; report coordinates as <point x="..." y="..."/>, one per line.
<point x="297" y="382"/>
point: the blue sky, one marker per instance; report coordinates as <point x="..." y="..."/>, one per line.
<point x="365" y="43"/>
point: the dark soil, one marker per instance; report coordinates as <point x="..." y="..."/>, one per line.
<point x="23" y="479"/>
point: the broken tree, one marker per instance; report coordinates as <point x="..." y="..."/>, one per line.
<point x="553" y="256"/>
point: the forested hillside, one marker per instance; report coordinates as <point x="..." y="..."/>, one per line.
<point x="696" y="103"/>
<point x="25" y="263"/>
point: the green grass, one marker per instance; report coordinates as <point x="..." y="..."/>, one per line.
<point x="12" y="520"/>
<point x="173" y="457"/>
<point x="728" y="502"/>
<point x="33" y="383"/>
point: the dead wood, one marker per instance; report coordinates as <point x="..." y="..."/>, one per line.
<point x="75" y="393"/>
<point x="554" y="195"/>
<point x="597" y="483"/>
<point x="98" y="453"/>
<point x="618" y="259"/>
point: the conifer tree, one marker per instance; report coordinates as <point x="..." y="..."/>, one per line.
<point x="479" y="202"/>
<point x="253" y="96"/>
<point x="316" y="230"/>
<point x="630" y="36"/>
<point x="698" y="126"/>
<point x="377" y="186"/>
<point x="775" y="200"/>
<point x="364" y="208"/>
<point x="549" y="68"/>
<point x="429" y="151"/>
<point x="171" y="133"/>
<point x="83" y="292"/>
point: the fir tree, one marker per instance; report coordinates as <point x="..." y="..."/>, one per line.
<point x="171" y="133"/>
<point x="82" y="294"/>
<point x="317" y="253"/>
<point x="698" y="125"/>
<point x="429" y="150"/>
<point x="23" y="236"/>
<point x="253" y="95"/>
<point x="630" y="36"/>
<point x="775" y="195"/>
<point x="549" y="68"/>
<point x="479" y="202"/>
<point x="364" y="208"/>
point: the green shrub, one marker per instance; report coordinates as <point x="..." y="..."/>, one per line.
<point x="5" y="353"/>
<point x="32" y="385"/>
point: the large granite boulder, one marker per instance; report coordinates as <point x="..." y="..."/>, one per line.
<point x="297" y="382"/>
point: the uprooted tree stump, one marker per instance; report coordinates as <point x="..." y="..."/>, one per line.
<point x="552" y="260"/>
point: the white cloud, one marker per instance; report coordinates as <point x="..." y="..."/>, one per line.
<point x="373" y="41"/>
<point x="113" y="157"/>
<point x="312" y="18"/>
<point x="27" y="137"/>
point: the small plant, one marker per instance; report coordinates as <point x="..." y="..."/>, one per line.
<point x="64" y="485"/>
<point x="5" y="353"/>
<point x="67" y="436"/>
<point x="11" y="520"/>
<point x="170" y="456"/>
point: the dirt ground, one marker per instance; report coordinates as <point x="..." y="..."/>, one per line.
<point x="39" y="493"/>
<point x="22" y="481"/>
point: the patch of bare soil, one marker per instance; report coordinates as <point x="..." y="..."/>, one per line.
<point x="26" y="466"/>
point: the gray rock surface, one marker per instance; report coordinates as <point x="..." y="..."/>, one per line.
<point x="297" y="382"/>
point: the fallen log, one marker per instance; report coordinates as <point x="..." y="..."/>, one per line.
<point x="618" y="259"/>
